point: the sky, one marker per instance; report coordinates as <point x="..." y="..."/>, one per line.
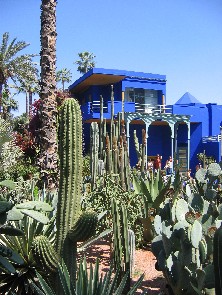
<point x="181" y="39"/>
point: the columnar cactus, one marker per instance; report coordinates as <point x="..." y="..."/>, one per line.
<point x="94" y="150"/>
<point x="124" y="242"/>
<point x="45" y="254"/>
<point x="140" y="150"/>
<point x="70" y="185"/>
<point x="112" y="147"/>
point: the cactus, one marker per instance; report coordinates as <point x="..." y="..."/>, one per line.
<point x="70" y="184"/>
<point x="217" y="259"/>
<point x="113" y="150"/>
<point x="45" y="254"/>
<point x="84" y="228"/>
<point x="186" y="227"/>
<point x="94" y="150"/>
<point x="138" y="149"/>
<point x="123" y="242"/>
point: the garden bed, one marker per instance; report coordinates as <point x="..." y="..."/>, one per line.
<point x="153" y="282"/>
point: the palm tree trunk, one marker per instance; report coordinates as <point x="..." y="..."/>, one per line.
<point x="48" y="112"/>
<point x="30" y="104"/>
<point x="26" y="103"/>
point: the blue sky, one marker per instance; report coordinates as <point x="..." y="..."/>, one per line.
<point x="181" y="39"/>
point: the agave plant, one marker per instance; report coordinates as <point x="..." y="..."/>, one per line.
<point x="153" y="192"/>
<point x="29" y="218"/>
<point x="88" y="283"/>
<point x="7" y="255"/>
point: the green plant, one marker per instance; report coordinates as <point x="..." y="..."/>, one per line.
<point x="124" y="248"/>
<point x="185" y="228"/>
<point x="69" y="214"/>
<point x="94" y="149"/>
<point x="7" y="255"/>
<point x="140" y="150"/>
<point x="31" y="219"/>
<point x="88" y="283"/>
<point x="153" y="192"/>
<point x="99" y="200"/>
<point x="5" y="133"/>
<point x="217" y="259"/>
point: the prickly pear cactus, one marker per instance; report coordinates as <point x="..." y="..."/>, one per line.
<point x="185" y="235"/>
<point x="217" y="258"/>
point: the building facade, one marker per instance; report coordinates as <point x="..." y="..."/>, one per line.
<point x="186" y="128"/>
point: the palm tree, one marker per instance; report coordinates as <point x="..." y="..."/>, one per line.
<point x="12" y="65"/>
<point x="86" y="62"/>
<point x="63" y="75"/>
<point x="48" y="111"/>
<point x="29" y="87"/>
<point x="8" y="102"/>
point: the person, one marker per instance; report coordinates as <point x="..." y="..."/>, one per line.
<point x="169" y="166"/>
<point x="157" y="163"/>
<point x="150" y="165"/>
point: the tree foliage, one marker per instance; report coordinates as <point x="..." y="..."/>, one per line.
<point x="13" y="65"/>
<point x="64" y="76"/>
<point x="85" y="62"/>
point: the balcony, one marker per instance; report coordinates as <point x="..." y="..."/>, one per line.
<point x="91" y="110"/>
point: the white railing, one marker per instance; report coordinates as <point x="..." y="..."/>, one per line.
<point x="151" y="109"/>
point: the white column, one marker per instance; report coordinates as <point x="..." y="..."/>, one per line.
<point x="188" y="146"/>
<point x="172" y="142"/>
<point x="147" y="129"/>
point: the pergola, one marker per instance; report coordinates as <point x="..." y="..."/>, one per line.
<point x="173" y="121"/>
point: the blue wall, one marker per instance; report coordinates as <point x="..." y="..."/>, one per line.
<point x="159" y="141"/>
<point x="215" y="118"/>
<point x="198" y="113"/>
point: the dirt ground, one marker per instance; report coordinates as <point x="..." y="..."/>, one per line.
<point x="153" y="283"/>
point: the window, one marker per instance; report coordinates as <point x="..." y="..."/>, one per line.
<point x="142" y="97"/>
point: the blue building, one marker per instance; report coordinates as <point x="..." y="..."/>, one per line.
<point x="188" y="127"/>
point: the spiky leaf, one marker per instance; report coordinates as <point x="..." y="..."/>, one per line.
<point x="8" y="183"/>
<point x="40" y="217"/>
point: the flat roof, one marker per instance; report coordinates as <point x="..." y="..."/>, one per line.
<point x="100" y="76"/>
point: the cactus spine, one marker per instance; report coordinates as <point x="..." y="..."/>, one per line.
<point x="217" y="259"/>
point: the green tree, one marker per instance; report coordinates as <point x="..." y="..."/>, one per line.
<point x="86" y="62"/>
<point x="63" y="76"/>
<point x="8" y="102"/>
<point x="29" y="87"/>
<point x="48" y="161"/>
<point x="12" y="65"/>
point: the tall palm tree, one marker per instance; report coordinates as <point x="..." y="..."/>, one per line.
<point x="86" y="62"/>
<point x="63" y="75"/>
<point x="48" y="110"/>
<point x="12" y="65"/>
